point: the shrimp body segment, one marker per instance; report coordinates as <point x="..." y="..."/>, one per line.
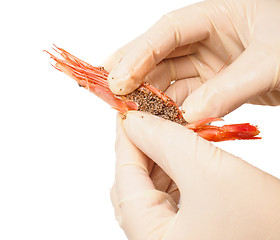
<point x="145" y="98"/>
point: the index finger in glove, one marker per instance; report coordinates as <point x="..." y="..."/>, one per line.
<point x="184" y="156"/>
<point x="173" y="30"/>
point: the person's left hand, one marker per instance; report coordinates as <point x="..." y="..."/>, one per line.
<point x="210" y="57"/>
<point x="220" y="195"/>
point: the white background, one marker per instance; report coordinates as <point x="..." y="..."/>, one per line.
<point x="57" y="140"/>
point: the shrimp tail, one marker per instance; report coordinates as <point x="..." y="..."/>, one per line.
<point x="244" y="131"/>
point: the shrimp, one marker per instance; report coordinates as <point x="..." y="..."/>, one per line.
<point x="145" y="98"/>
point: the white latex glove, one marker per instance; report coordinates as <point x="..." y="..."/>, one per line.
<point x="221" y="196"/>
<point x="192" y="46"/>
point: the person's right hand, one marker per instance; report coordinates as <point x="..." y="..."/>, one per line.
<point x="221" y="196"/>
<point x="193" y="44"/>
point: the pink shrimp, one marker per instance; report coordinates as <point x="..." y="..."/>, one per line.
<point x="145" y="98"/>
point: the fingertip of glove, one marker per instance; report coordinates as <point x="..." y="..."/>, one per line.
<point x="189" y="112"/>
<point x="199" y="106"/>
<point x="122" y="84"/>
<point x="133" y="117"/>
<point x="135" y="122"/>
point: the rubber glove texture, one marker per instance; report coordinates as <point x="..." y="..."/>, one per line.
<point x="221" y="196"/>
<point x="220" y="53"/>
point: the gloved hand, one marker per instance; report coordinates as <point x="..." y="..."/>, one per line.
<point x="221" y="196"/>
<point x="225" y="53"/>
